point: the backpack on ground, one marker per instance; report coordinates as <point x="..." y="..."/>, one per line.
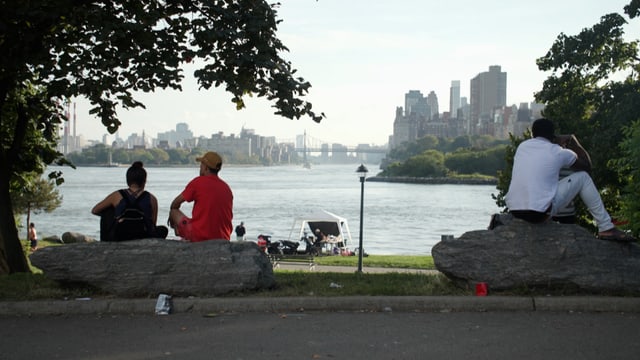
<point x="131" y="224"/>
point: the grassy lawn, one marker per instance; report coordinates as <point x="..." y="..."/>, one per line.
<point x="298" y="283"/>
<point x="385" y="261"/>
<point x="288" y="283"/>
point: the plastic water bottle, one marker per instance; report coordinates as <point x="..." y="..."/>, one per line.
<point x="163" y="305"/>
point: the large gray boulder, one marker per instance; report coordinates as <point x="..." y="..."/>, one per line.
<point x="152" y="266"/>
<point x="70" y="237"/>
<point x="539" y="255"/>
<point x="54" y="239"/>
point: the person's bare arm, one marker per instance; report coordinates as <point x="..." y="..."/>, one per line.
<point x="174" y="211"/>
<point x="111" y="200"/>
<point x="175" y="204"/>
<point x="583" y="162"/>
<point x="154" y="209"/>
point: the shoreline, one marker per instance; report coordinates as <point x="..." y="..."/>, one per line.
<point x="431" y="180"/>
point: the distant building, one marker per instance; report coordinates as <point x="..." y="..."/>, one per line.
<point x="536" y="110"/>
<point x="486" y="114"/>
<point x="432" y="102"/>
<point x="504" y="119"/>
<point x="454" y="99"/>
<point x="436" y="128"/>
<point x="135" y="141"/>
<point x="339" y="153"/>
<point x="527" y="113"/>
<point x="488" y="92"/>
<point x="464" y="114"/>
<point x="255" y="140"/>
<point x="405" y="128"/>
<point x="176" y="137"/>
<point x="324" y="152"/>
<point x="227" y="146"/>
<point x="413" y="102"/>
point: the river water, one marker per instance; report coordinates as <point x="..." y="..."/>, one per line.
<point x="401" y="219"/>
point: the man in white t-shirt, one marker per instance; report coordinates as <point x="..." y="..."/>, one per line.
<point x="535" y="193"/>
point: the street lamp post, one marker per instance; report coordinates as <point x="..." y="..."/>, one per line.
<point x="362" y="174"/>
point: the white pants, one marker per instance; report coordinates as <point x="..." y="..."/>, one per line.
<point x="580" y="183"/>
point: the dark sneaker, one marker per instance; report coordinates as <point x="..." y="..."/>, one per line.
<point x="615" y="234"/>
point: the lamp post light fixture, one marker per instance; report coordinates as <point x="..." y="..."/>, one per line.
<point x="362" y="174"/>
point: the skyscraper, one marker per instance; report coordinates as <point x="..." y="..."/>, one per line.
<point x="488" y="91"/>
<point x="454" y="98"/>
<point x="411" y="101"/>
<point x="432" y="101"/>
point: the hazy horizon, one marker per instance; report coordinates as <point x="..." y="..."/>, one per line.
<point x="361" y="57"/>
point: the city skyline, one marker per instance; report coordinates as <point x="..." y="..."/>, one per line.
<point x="362" y="57"/>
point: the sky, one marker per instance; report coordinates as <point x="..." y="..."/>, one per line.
<point x="362" y="56"/>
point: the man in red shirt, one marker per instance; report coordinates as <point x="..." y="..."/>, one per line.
<point x="212" y="213"/>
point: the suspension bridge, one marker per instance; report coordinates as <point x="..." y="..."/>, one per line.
<point x="309" y="144"/>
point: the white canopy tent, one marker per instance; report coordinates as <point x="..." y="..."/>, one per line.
<point x="335" y="227"/>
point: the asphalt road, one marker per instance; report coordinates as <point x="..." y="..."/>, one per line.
<point x="462" y="327"/>
<point x="324" y="335"/>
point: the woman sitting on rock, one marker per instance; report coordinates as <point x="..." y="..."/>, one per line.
<point x="130" y="213"/>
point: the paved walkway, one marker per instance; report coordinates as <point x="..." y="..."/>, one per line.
<point x="324" y="335"/>
<point x="353" y="327"/>
<point x="592" y="304"/>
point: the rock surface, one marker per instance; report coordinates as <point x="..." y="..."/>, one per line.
<point x="71" y="237"/>
<point x="54" y="239"/>
<point x="152" y="266"/>
<point x="521" y="254"/>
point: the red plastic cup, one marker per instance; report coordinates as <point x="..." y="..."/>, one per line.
<point x="481" y="289"/>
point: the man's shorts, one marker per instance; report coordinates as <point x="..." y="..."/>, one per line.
<point x="184" y="228"/>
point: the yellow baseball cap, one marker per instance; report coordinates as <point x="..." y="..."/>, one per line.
<point x="211" y="159"/>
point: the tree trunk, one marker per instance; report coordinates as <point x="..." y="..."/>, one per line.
<point x="14" y="259"/>
<point x="28" y="222"/>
